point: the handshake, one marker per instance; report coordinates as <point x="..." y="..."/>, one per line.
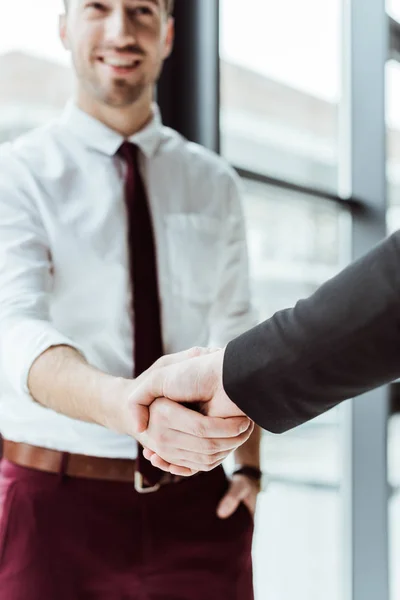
<point x="176" y="437"/>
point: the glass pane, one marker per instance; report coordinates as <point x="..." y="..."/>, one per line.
<point x="394" y="504"/>
<point x="297" y="547"/>
<point x="295" y="243"/>
<point x="393" y="8"/>
<point x="393" y="143"/>
<point x="280" y="88"/>
<point x="35" y="80"/>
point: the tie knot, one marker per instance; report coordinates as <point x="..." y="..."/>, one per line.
<point x="128" y="151"/>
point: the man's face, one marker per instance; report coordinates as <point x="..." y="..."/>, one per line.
<point x="117" y="46"/>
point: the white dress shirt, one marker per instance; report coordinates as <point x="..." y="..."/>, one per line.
<point x="64" y="276"/>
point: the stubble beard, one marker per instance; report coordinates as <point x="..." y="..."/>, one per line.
<point x="116" y="93"/>
<point x="119" y="94"/>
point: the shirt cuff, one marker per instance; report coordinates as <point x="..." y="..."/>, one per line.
<point x="22" y="343"/>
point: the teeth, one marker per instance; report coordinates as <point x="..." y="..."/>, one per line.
<point x="117" y="62"/>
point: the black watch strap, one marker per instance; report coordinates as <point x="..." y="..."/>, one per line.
<point x="251" y="472"/>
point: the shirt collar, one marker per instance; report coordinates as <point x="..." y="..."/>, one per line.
<point x="98" y="136"/>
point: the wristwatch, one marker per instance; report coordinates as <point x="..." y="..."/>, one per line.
<point x="255" y="474"/>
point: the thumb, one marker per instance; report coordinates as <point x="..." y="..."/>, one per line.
<point x="140" y="418"/>
<point x="172" y="359"/>
<point x="230" y="502"/>
<point x="189" y="379"/>
<point x="150" y="384"/>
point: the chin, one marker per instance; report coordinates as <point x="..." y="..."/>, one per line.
<point x="122" y="99"/>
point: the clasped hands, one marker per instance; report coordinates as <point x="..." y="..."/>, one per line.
<point x="177" y="438"/>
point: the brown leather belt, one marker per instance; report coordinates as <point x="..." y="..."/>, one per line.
<point x="79" y="465"/>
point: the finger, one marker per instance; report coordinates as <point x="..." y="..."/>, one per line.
<point x="183" y="379"/>
<point x="147" y="453"/>
<point x="172" y="441"/>
<point x="182" y="471"/>
<point x="185" y="469"/>
<point x="165" y="466"/>
<point x="182" y="466"/>
<point x="195" y="467"/>
<point x="160" y="463"/>
<point x="227" y="507"/>
<point x="230" y="502"/>
<point x="140" y="418"/>
<point x="181" y="457"/>
<point x="200" y="426"/>
<point x="174" y="446"/>
<point x="149" y="385"/>
<point x="177" y="357"/>
<point x="251" y="505"/>
<point x="183" y="419"/>
<point x="169" y="446"/>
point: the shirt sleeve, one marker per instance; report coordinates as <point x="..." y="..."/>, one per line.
<point x="25" y="262"/>
<point x="232" y="312"/>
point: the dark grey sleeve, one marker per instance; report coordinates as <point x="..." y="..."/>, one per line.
<point x="340" y="342"/>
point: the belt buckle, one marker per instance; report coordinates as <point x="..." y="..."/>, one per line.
<point x="141" y="488"/>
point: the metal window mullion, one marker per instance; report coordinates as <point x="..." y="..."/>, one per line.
<point x="363" y="175"/>
<point x="189" y="89"/>
<point x="394" y="39"/>
<point x="350" y="204"/>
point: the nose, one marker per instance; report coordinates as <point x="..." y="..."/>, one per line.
<point x="119" y="29"/>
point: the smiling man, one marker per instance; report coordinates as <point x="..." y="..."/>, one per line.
<point x="120" y="242"/>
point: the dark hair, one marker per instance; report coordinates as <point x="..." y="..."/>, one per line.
<point x="169" y="5"/>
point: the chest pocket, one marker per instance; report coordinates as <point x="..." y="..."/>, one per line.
<point x="194" y="255"/>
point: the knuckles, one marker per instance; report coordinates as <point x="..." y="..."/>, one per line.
<point x="211" y="447"/>
<point x="199" y="431"/>
<point x="161" y="439"/>
<point x="196" y="351"/>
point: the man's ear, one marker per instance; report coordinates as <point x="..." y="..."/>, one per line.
<point x="169" y="38"/>
<point x="62" y="30"/>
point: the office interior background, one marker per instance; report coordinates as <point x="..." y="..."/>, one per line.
<point x="303" y="98"/>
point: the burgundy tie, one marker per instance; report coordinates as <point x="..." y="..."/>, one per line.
<point x="148" y="346"/>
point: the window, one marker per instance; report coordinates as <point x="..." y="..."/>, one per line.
<point x="298" y="554"/>
<point x="280" y="97"/>
<point x="394" y="504"/>
<point x="295" y="243"/>
<point x="393" y="143"/>
<point x="280" y="88"/>
<point x="35" y="80"/>
<point x="393" y="223"/>
<point x="393" y="8"/>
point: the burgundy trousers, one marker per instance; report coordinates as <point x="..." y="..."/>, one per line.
<point x="65" y="538"/>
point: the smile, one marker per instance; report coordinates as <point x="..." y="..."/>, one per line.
<point x="120" y="62"/>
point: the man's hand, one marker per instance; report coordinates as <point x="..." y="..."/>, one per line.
<point x="80" y="391"/>
<point x="125" y="402"/>
<point x="196" y="379"/>
<point x="241" y="489"/>
<point x="185" y="440"/>
<point x="188" y="441"/>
